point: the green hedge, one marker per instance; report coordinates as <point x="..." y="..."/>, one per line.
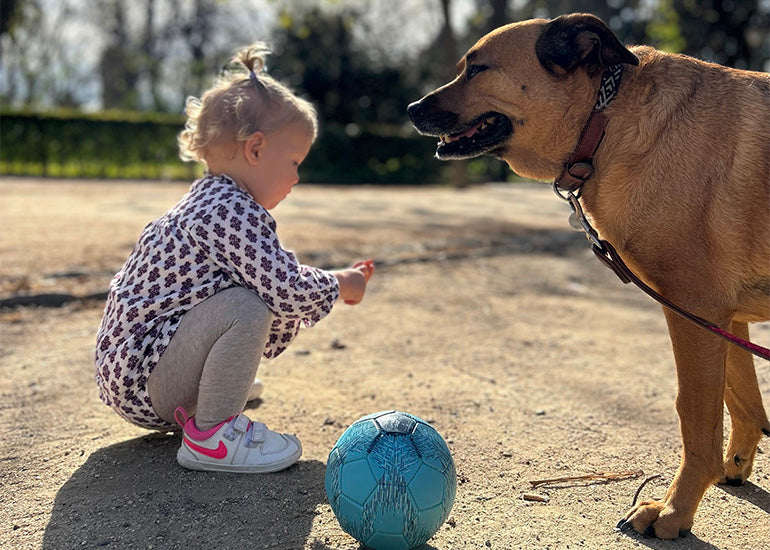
<point x="143" y="146"/>
<point x="104" y="145"/>
<point x="377" y="155"/>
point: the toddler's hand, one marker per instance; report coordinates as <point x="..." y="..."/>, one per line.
<point x="366" y="267"/>
<point x="353" y="281"/>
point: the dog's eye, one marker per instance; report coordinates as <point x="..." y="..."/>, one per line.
<point x="473" y="70"/>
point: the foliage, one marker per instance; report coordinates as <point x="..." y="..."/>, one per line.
<point x="116" y="144"/>
<point x="130" y="145"/>
<point x="107" y="145"/>
<point x="315" y="53"/>
<point x="664" y="29"/>
<point x="8" y="14"/>
<point x="729" y="32"/>
<point x="377" y="155"/>
<point x="151" y="55"/>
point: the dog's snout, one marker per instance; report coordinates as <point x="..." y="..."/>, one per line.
<point x="429" y="119"/>
<point x="416" y="111"/>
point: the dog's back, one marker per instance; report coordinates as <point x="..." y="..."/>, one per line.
<point x="688" y="144"/>
<point x="690" y="105"/>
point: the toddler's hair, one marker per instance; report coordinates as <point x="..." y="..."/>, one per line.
<point x="237" y="106"/>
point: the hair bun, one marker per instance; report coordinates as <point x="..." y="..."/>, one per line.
<point x="252" y="57"/>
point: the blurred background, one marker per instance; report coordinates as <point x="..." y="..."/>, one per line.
<point x="96" y="88"/>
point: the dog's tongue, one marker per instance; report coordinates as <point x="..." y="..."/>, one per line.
<point x="467" y="133"/>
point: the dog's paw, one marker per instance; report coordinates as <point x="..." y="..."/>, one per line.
<point x="654" y="518"/>
<point x="739" y="460"/>
<point x="737" y="470"/>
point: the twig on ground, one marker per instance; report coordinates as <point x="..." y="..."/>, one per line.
<point x="639" y="490"/>
<point x="534" y="497"/>
<point x="590" y="477"/>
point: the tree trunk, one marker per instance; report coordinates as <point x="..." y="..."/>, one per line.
<point x="458" y="168"/>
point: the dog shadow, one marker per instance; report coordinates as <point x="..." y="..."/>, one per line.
<point x="685" y="542"/>
<point x="751" y="493"/>
<point x="134" y="495"/>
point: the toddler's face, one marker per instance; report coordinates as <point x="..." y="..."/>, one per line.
<point x="275" y="171"/>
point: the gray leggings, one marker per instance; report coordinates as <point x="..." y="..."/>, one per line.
<point x="211" y="361"/>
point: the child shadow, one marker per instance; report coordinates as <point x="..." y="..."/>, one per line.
<point x="134" y="495"/>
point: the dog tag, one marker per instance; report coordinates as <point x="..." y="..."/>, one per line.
<point x="574" y="222"/>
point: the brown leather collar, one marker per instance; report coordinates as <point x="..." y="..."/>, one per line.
<point x="579" y="168"/>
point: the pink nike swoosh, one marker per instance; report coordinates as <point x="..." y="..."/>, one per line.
<point x="218" y="453"/>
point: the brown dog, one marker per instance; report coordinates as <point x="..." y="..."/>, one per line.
<point x="681" y="188"/>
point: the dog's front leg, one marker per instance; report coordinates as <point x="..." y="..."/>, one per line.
<point x="700" y="368"/>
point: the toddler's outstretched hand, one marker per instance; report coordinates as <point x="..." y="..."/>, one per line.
<point x="353" y="281"/>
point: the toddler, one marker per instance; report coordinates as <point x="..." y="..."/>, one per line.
<point x="208" y="289"/>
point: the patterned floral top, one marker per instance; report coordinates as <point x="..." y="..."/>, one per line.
<point x="215" y="238"/>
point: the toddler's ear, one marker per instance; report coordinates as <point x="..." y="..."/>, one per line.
<point x="253" y="147"/>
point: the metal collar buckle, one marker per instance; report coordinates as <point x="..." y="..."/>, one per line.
<point x="578" y="220"/>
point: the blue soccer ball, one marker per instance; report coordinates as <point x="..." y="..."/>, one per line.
<point x="390" y="480"/>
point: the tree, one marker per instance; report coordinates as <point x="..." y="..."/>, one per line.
<point x="459" y="168"/>
<point x="9" y="10"/>
<point x="36" y="65"/>
<point x="119" y="66"/>
<point x="624" y="17"/>
<point x="729" y="32"/>
<point x="196" y="30"/>
<point x="316" y="54"/>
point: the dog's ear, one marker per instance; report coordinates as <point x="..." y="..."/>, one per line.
<point x="580" y="39"/>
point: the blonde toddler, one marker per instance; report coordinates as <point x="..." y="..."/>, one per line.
<point x="208" y="289"/>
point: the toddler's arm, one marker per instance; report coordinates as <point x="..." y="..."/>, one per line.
<point x="353" y="281"/>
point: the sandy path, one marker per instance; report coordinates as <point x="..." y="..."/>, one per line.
<point x="487" y="316"/>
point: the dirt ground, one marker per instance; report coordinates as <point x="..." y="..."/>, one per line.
<point x="487" y="317"/>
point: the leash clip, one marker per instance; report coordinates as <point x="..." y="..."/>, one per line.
<point x="578" y="219"/>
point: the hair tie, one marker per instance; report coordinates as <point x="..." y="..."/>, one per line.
<point x="257" y="82"/>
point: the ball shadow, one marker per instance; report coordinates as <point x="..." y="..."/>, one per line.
<point x="134" y="495"/>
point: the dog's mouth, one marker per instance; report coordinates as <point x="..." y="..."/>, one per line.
<point x="483" y="135"/>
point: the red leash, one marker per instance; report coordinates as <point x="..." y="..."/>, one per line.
<point x="579" y="169"/>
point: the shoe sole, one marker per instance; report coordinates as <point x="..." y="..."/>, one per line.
<point x="184" y="459"/>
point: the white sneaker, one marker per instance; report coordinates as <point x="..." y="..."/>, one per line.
<point x="236" y="445"/>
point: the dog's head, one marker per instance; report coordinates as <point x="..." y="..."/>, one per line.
<point x="517" y="88"/>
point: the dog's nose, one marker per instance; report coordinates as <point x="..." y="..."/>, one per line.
<point x="416" y="111"/>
